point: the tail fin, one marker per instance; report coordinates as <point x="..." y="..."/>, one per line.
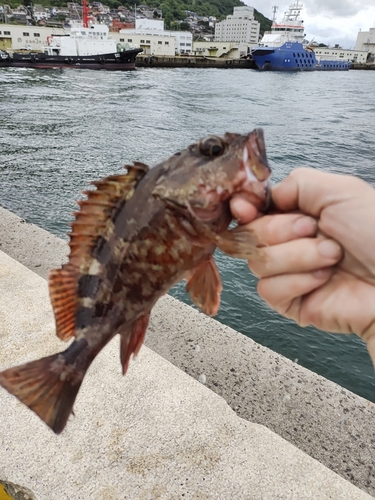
<point x="48" y="386"/>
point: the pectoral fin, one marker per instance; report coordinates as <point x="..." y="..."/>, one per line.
<point x="204" y="287"/>
<point x="239" y="242"/>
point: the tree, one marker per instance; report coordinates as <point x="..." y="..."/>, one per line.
<point x="184" y="26"/>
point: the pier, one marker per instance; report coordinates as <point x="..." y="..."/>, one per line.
<point x="261" y="427"/>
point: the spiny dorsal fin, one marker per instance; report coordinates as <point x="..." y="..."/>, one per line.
<point x="90" y="224"/>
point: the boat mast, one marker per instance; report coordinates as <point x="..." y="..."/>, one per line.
<point x="84" y="14"/>
<point x="274" y="10"/>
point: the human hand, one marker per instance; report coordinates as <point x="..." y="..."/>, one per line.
<point x="319" y="262"/>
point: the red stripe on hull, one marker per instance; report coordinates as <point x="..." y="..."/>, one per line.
<point x="40" y="65"/>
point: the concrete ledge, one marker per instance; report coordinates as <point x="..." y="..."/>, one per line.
<point x="326" y="421"/>
<point x="155" y="433"/>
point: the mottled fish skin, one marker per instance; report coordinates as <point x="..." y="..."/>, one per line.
<point x="156" y="227"/>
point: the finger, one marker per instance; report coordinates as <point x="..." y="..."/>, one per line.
<point x="242" y="210"/>
<point x="302" y="255"/>
<point x="280" y="228"/>
<point x="310" y="190"/>
<point x="283" y="293"/>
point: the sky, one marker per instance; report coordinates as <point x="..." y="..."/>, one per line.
<point x="327" y="21"/>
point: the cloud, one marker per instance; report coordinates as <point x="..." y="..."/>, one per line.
<point x="340" y="8"/>
<point x="328" y="21"/>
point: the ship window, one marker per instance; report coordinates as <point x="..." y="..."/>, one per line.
<point x="25" y="33"/>
<point x="37" y="34"/>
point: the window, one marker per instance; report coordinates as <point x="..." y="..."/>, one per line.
<point x="6" y="32"/>
<point x="160" y="43"/>
<point x="130" y="40"/>
<point x="188" y="45"/>
<point x="148" y="41"/>
<point x="37" y="35"/>
<point x="166" y="43"/>
<point x="142" y="41"/>
<point x="182" y="44"/>
<point x="122" y="39"/>
<point x="25" y="33"/>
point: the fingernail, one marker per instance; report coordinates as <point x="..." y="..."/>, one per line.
<point x="305" y="226"/>
<point x="329" y="249"/>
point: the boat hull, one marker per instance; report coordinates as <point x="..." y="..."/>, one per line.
<point x="119" y="61"/>
<point x="292" y="56"/>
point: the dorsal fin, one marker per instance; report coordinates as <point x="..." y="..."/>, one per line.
<point x="90" y="224"/>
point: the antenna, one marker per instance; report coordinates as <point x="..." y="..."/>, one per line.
<point x="274" y="10"/>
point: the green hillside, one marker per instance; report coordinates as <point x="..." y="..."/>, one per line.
<point x="173" y="10"/>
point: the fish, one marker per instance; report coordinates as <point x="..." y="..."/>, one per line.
<point x="136" y="235"/>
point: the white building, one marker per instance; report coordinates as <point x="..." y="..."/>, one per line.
<point x="239" y="27"/>
<point x="225" y="50"/>
<point x="13" y="36"/>
<point x="154" y="27"/>
<point x="339" y="54"/>
<point x="366" y="41"/>
<point x="154" y="44"/>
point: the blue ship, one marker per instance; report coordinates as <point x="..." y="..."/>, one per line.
<point x="285" y="48"/>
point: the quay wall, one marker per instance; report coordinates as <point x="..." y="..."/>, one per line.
<point x="363" y="66"/>
<point x="326" y="421"/>
<point x="143" y="61"/>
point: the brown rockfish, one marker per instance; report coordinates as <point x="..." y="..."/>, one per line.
<point x="134" y="237"/>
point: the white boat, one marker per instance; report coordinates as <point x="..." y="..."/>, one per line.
<point x="86" y="46"/>
<point x="284" y="48"/>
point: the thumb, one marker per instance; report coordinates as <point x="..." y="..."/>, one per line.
<point x="311" y="191"/>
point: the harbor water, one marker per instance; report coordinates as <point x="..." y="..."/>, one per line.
<point x="61" y="129"/>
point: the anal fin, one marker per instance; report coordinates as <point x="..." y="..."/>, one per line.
<point x="204" y="287"/>
<point x="131" y="341"/>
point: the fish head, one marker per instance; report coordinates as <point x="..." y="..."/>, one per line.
<point x="208" y="173"/>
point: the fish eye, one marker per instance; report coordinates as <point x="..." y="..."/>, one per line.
<point x="212" y="146"/>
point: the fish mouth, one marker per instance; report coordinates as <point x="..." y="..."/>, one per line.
<point x="256" y="184"/>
